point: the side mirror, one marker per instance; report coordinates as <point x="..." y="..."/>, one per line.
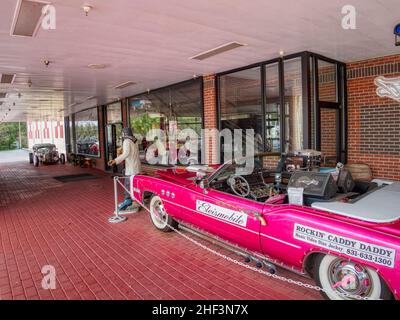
<point x="200" y="175"/>
<point x="203" y="184"/>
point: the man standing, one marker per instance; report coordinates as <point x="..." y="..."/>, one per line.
<point x="130" y="155"/>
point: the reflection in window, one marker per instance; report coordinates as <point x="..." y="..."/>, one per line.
<point x="171" y="109"/>
<point x="240" y="103"/>
<point x="272" y="108"/>
<point x="114" y="118"/>
<point x="114" y="114"/>
<point x="293" y="105"/>
<point x="87" y="132"/>
<point x="327" y="79"/>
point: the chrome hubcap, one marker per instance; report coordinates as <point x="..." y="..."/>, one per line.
<point x="349" y="278"/>
<point x="159" y="212"/>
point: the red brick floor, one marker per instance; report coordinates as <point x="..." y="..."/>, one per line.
<point x="45" y="222"/>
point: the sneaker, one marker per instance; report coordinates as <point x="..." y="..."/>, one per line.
<point x="133" y="209"/>
<point x="122" y="206"/>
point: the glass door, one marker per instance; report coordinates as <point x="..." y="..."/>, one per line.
<point x="113" y="134"/>
<point x="113" y="142"/>
<point x="330" y="140"/>
<point x="329" y="114"/>
<point x="272" y="109"/>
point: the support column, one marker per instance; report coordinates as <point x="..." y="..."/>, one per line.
<point x="210" y="119"/>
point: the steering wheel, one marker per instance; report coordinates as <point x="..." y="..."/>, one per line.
<point x="239" y="185"/>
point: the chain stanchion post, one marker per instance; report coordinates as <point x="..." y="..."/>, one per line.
<point x="117" y="218"/>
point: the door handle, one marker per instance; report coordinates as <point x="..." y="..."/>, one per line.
<point x="257" y="216"/>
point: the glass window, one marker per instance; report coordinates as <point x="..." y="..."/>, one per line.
<point x="114" y="114"/>
<point x="241" y="103"/>
<point x="272" y="108"/>
<point x="327" y="80"/>
<point x="187" y="106"/>
<point x="293" y="105"/>
<point x="169" y="109"/>
<point x="87" y="132"/>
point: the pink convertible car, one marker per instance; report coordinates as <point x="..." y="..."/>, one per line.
<point x="345" y="235"/>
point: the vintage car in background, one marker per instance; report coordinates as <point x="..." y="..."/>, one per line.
<point x="344" y="234"/>
<point x="45" y="153"/>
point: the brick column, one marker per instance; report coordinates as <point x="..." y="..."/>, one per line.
<point x="124" y="108"/>
<point x="210" y="119"/>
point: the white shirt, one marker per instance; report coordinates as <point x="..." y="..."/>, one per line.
<point x="131" y="156"/>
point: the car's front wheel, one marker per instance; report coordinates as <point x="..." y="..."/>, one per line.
<point x="160" y="218"/>
<point x="342" y="279"/>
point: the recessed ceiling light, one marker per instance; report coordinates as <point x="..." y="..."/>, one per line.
<point x="218" y="50"/>
<point x="125" y="84"/>
<point x="87" y="8"/>
<point x="97" y="66"/>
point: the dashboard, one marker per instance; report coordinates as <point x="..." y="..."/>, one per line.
<point x="262" y="185"/>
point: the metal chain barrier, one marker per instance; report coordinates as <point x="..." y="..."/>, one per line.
<point x="274" y="276"/>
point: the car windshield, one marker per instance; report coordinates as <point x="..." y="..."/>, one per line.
<point x="233" y="167"/>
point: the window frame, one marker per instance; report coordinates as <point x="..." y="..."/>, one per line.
<point x="199" y="79"/>
<point x="307" y="79"/>
<point x="174" y="85"/>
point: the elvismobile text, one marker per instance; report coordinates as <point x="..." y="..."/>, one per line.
<point x="201" y="309"/>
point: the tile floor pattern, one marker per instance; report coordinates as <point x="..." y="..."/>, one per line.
<point x="45" y="222"/>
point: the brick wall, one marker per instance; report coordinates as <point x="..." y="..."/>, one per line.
<point x="374" y="121"/>
<point x="328" y="132"/>
<point x="210" y="118"/>
<point x="327" y="92"/>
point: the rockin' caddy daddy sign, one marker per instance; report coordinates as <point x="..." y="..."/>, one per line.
<point x="351" y="247"/>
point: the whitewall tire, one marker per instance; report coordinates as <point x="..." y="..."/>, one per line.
<point x="160" y="218"/>
<point x="339" y="276"/>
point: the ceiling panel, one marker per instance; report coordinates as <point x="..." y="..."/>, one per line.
<point x="150" y="42"/>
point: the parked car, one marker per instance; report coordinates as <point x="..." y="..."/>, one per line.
<point x="45" y="154"/>
<point x="348" y="243"/>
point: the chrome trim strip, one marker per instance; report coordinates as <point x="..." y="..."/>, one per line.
<point x="281" y="241"/>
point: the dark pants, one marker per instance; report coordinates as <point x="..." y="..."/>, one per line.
<point x="128" y="187"/>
